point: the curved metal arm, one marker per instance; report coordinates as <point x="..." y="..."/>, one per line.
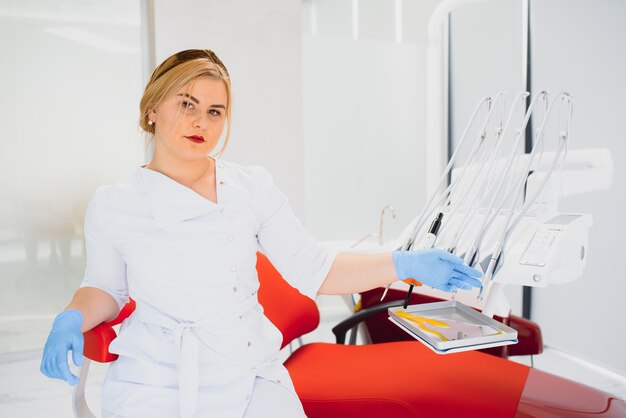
<point x="79" y="402"/>
<point x="381" y="240"/>
<point x="341" y="329"/>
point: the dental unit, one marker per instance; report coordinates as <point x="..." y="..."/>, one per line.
<point x="499" y="213"/>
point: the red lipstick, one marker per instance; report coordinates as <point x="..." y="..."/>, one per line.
<point x="196" y="138"/>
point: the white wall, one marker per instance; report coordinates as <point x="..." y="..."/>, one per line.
<point x="364" y="114"/>
<point x="578" y="46"/>
<point x="70" y="80"/>
<point x="364" y="130"/>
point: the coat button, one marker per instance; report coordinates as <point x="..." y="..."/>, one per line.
<point x="249" y="344"/>
<point x="278" y="381"/>
<point x="234" y="288"/>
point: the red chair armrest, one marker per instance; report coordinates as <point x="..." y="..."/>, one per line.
<point x="97" y="339"/>
<point x="97" y="342"/>
<point x="529" y="337"/>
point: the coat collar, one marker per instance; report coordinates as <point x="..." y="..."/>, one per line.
<point x="172" y="202"/>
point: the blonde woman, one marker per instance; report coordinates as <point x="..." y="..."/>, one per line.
<point x="180" y="236"/>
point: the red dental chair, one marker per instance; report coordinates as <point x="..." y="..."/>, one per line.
<point x="395" y="379"/>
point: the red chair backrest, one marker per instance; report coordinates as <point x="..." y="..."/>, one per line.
<point x="293" y="313"/>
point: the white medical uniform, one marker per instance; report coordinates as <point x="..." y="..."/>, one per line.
<point x="198" y="342"/>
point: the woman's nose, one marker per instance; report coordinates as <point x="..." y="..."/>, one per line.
<point x="199" y="122"/>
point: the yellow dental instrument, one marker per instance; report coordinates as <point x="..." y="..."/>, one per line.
<point x="422" y="320"/>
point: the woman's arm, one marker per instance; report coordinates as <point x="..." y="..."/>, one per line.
<point x="305" y="263"/>
<point x="89" y="307"/>
<point x="353" y="273"/>
<point x="95" y="305"/>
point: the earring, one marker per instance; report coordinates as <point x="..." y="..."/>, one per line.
<point x="150" y="122"/>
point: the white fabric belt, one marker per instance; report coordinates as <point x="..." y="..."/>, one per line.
<point x="187" y="345"/>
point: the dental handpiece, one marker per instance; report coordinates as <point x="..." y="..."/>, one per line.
<point x="489" y="271"/>
<point x="427" y="243"/>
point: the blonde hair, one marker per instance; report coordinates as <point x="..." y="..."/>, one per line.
<point x="175" y="72"/>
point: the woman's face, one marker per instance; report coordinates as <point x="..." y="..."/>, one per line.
<point x="189" y="124"/>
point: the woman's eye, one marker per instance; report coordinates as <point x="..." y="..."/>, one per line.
<point x="187" y="105"/>
<point x="214" y="112"/>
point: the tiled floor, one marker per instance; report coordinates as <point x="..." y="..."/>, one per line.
<point x="25" y="393"/>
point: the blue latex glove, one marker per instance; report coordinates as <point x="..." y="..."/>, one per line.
<point x="436" y="268"/>
<point x="65" y="336"/>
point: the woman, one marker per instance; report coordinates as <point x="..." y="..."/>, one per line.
<point x="180" y="236"/>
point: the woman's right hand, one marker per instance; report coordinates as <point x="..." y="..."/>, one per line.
<point x="436" y="268"/>
<point x="65" y="336"/>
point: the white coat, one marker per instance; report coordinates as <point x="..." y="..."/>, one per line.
<point x="198" y="338"/>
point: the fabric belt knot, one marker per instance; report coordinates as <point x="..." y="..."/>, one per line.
<point x="187" y="344"/>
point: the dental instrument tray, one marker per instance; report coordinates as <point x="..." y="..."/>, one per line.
<point x="450" y="327"/>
